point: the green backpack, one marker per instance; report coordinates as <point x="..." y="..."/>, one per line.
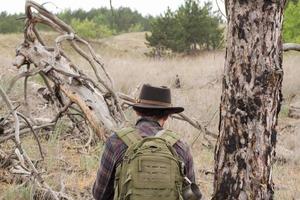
<point x="151" y="168"/>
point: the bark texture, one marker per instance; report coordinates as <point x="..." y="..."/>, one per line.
<point x="250" y="102"/>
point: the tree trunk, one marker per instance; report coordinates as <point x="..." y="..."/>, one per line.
<point x="112" y="25"/>
<point x="250" y="102"/>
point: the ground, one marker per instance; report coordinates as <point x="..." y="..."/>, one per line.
<point x="200" y="91"/>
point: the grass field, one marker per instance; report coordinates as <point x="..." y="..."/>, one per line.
<point x="200" y="77"/>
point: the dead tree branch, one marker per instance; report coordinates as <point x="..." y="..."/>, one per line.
<point x="220" y="11"/>
<point x="291" y="47"/>
<point x="103" y="111"/>
<point x="9" y="135"/>
<point x="33" y="132"/>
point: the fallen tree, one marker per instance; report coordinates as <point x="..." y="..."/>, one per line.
<point x="96" y="99"/>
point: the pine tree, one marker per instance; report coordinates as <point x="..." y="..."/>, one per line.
<point x="188" y="29"/>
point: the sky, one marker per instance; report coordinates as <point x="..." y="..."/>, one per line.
<point x="153" y="7"/>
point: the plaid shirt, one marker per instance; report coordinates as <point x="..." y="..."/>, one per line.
<point x="114" y="151"/>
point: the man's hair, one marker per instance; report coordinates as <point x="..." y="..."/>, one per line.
<point x="155" y="113"/>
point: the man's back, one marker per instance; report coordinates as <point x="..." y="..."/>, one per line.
<point x="114" y="152"/>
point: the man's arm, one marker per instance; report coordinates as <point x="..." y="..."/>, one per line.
<point x="184" y="153"/>
<point x="190" y="172"/>
<point x="103" y="188"/>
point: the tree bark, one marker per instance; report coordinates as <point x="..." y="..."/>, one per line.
<point x="250" y="102"/>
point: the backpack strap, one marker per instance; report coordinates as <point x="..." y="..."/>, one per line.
<point x="169" y="136"/>
<point x="129" y="136"/>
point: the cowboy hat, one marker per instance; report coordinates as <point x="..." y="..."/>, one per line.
<point x="156" y="98"/>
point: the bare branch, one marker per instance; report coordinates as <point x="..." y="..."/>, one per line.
<point x="220" y="11"/>
<point x="23" y="74"/>
<point x="291" y="47"/>
<point x="10" y="136"/>
<point x="34" y="134"/>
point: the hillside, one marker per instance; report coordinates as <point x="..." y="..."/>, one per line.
<point x="127" y="43"/>
<point x="124" y="58"/>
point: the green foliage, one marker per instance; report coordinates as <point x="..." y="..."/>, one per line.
<point x="89" y="29"/>
<point x="125" y="18"/>
<point x="135" y="28"/>
<point x="291" y="24"/>
<point x="292" y="1"/>
<point x="10" y="24"/>
<point x="96" y="23"/>
<point x="106" y="22"/>
<point x="163" y="32"/>
<point x="188" y="29"/>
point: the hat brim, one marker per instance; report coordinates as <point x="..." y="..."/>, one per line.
<point x="169" y="110"/>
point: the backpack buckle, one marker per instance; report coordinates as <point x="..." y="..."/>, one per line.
<point x="126" y="159"/>
<point x="182" y="168"/>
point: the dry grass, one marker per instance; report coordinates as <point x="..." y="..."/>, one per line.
<point x="200" y="95"/>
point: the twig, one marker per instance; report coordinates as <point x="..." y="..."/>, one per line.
<point x="10" y="135"/>
<point x="196" y="125"/>
<point x="221" y="10"/>
<point x="23" y="74"/>
<point x="99" y="79"/>
<point x="91" y="135"/>
<point x="7" y="158"/>
<point x="26" y="103"/>
<point x="34" y="134"/>
<point x="136" y="89"/>
<point x="211" y="83"/>
<point x="63" y="110"/>
<point x="38" y="36"/>
<point x="3" y="120"/>
<point x="96" y="59"/>
<point x="14" y="113"/>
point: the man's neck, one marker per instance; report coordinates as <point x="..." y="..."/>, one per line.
<point x="159" y="122"/>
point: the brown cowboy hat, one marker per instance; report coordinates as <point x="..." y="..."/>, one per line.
<point x="156" y="98"/>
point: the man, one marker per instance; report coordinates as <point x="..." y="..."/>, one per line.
<point x="153" y="107"/>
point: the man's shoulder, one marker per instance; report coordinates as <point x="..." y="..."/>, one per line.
<point x="180" y="143"/>
<point x="113" y="140"/>
<point x="116" y="135"/>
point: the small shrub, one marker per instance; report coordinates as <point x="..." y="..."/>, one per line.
<point x="89" y="29"/>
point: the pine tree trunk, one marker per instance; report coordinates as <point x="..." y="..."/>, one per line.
<point x="250" y="102"/>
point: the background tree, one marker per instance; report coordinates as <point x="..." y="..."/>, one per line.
<point x="112" y="14"/>
<point x="95" y="23"/>
<point x="190" y="28"/>
<point x="90" y="29"/>
<point x="162" y="33"/>
<point x="250" y="102"/>
<point x="9" y="23"/>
